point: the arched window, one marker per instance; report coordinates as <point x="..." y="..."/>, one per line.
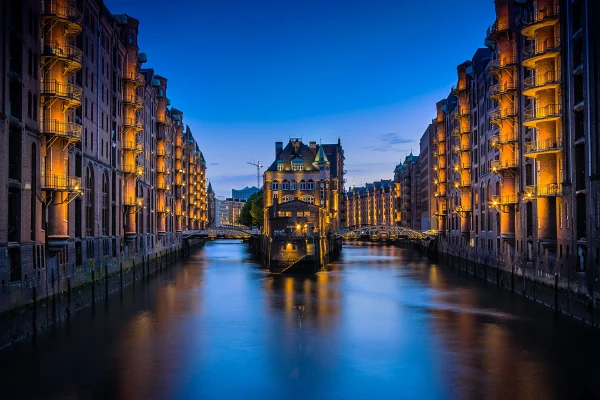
<point x="285" y="199"/>
<point x="284" y="185"/>
<point x="497" y="188"/>
<point x="105" y="203"/>
<point x="302" y="185"/>
<point x="89" y="201"/>
<point x="311" y="185"/>
<point x="498" y="223"/>
<point x="292" y="185"/>
<point x="274" y="185"/>
<point x="308" y="199"/>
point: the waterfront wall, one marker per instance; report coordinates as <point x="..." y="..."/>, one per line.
<point x="62" y="291"/>
<point x="565" y="293"/>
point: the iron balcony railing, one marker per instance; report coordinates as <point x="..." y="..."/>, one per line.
<point x="61" y="183"/>
<point x="133" y="99"/>
<point x="541" y="47"/>
<point x="161" y="152"/>
<point x="536" y="81"/>
<point x="507" y="199"/>
<point x="461" y="86"/>
<point x="502" y="62"/>
<point x="65" y="91"/>
<point x="133" y="123"/>
<point x="136" y="147"/>
<point x="65" y="11"/>
<point x="462" y="112"/>
<point x="163" y="186"/>
<point x="497" y="27"/>
<point x="133" y="201"/>
<point x="540" y="146"/>
<point x="540" y="113"/>
<point x="544" y="190"/>
<point x="499" y="165"/>
<point x="68" y="130"/>
<point x="134" y="76"/>
<point x="502" y="113"/>
<point x="461" y="130"/>
<point x="460" y="148"/>
<point x="503" y="88"/>
<point x="504" y="138"/>
<point x="133" y="169"/>
<point x="548" y="12"/>
<point x="62" y="51"/>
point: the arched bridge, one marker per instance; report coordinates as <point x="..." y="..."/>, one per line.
<point x="223" y="232"/>
<point x="377" y="232"/>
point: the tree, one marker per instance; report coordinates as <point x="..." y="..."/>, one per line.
<point x="252" y="212"/>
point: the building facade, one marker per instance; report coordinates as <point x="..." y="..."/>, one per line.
<point x="372" y="204"/>
<point x="312" y="174"/>
<point x="426" y="186"/>
<point x="228" y="211"/>
<point x="244" y="194"/>
<point x="516" y="148"/>
<point x="97" y="169"/>
<point x="408" y="206"/>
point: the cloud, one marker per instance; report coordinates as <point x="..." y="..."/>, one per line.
<point x="213" y="163"/>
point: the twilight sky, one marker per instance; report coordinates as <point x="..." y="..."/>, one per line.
<point x="248" y="73"/>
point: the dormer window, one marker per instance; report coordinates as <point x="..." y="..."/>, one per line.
<point x="279" y="167"/>
<point x="297" y="167"/>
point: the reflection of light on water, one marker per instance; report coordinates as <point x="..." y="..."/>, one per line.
<point x="433" y="276"/>
<point x="289" y="293"/>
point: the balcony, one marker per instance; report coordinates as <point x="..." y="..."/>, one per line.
<point x="548" y="48"/>
<point x="501" y="63"/>
<point x="497" y="116"/>
<point x="504" y="138"/>
<point x="61" y="183"/>
<point x="501" y="165"/>
<point x="460" y="87"/>
<point x="441" y="213"/>
<point x="465" y="165"/>
<point x="533" y="84"/>
<point x="441" y="136"/>
<point x="161" y="169"/>
<point x="545" y="190"/>
<point x="550" y="112"/>
<point x="504" y="200"/>
<point x="133" y="100"/>
<point x="439" y="194"/>
<point x="133" y="147"/>
<point x="462" y="148"/>
<point x="503" y="88"/>
<point x="67" y="92"/>
<point x="70" y="131"/>
<point x="161" y="152"/>
<point x="133" y="169"/>
<point x="163" y="186"/>
<point x="133" y="123"/>
<point x="546" y="146"/>
<point x="70" y="17"/>
<point x="461" y="130"/>
<point x="137" y="78"/>
<point x="133" y="202"/>
<point x="496" y="28"/>
<point x="462" y="112"/>
<point x="546" y="16"/>
<point x="69" y="55"/>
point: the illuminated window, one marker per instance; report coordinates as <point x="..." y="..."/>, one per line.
<point x="279" y="167"/>
<point x="297" y="167"/>
<point x="284" y="185"/>
<point x="274" y="185"/>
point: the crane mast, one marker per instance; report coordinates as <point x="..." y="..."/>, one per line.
<point x="258" y="167"/>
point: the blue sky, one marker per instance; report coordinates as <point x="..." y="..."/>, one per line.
<point x="248" y="73"/>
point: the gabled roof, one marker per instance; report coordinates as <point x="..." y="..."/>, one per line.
<point x="297" y="151"/>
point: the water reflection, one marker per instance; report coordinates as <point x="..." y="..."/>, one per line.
<point x="381" y="323"/>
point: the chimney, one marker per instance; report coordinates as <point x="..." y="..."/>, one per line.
<point x="278" y="149"/>
<point x="312" y="146"/>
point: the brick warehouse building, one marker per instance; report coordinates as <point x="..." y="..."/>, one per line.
<point x="517" y="150"/>
<point x="407" y="177"/>
<point x="372" y="204"/>
<point x="99" y="168"/>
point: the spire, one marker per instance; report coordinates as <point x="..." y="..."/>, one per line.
<point x="210" y="189"/>
<point x="321" y="158"/>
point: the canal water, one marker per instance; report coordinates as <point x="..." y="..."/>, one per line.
<point x="381" y="323"/>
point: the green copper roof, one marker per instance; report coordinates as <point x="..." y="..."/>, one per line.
<point x="321" y="157"/>
<point x="280" y="161"/>
<point x="296" y="160"/>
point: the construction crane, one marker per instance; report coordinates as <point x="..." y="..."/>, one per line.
<point x="258" y="167"/>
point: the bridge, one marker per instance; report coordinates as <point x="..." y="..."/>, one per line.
<point x="223" y="232"/>
<point x="377" y="232"/>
